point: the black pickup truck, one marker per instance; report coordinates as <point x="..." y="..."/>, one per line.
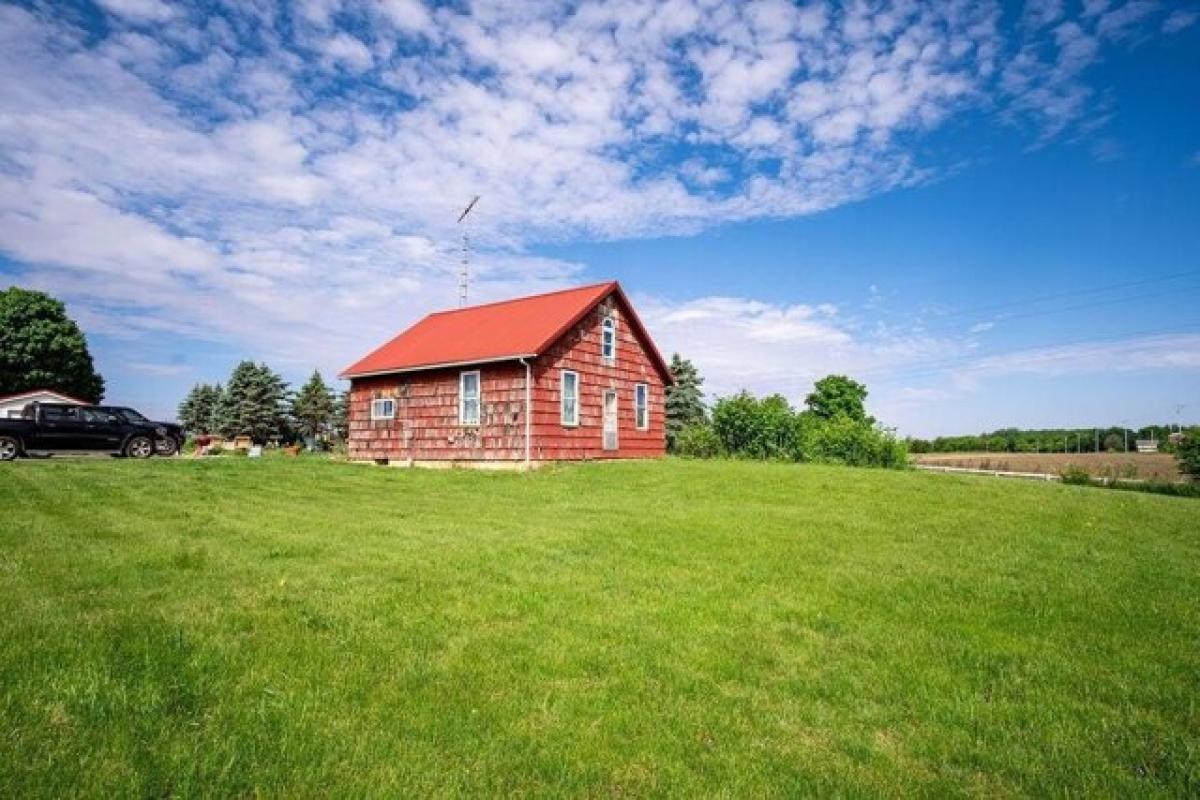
<point x="46" y="428"/>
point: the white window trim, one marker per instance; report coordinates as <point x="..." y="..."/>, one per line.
<point x="608" y="323"/>
<point x="562" y="399"/>
<point x="645" y="388"/>
<point x="377" y="415"/>
<point x="462" y="399"/>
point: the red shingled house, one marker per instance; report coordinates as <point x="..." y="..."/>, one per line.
<point x="561" y="376"/>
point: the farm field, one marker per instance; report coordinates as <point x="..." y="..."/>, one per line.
<point x="1143" y="466"/>
<point x="295" y="627"/>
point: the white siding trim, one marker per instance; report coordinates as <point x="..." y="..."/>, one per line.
<point x="641" y="406"/>
<point x="462" y="399"/>
<point x="379" y="404"/>
<point x="562" y="400"/>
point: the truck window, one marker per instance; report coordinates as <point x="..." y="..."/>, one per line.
<point x="95" y="416"/>
<point x="60" y="414"/>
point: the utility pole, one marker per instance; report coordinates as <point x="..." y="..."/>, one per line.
<point x="464" y="273"/>
<point x="1096" y="446"/>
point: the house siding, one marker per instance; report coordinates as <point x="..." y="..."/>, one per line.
<point x="426" y="425"/>
<point x="579" y="349"/>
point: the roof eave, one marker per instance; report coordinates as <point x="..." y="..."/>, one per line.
<point x="348" y="375"/>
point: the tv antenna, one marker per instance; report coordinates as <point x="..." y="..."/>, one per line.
<point x="464" y="272"/>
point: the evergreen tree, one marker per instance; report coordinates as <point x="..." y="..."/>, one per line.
<point x="197" y="412"/>
<point x="252" y="403"/>
<point x="341" y="415"/>
<point x="1188" y="453"/>
<point x="42" y="348"/>
<point x="684" y="400"/>
<point x="313" y="407"/>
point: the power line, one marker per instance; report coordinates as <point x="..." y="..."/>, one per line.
<point x="970" y="312"/>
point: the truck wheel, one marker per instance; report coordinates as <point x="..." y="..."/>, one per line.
<point x="10" y="448"/>
<point x="166" y="446"/>
<point x="139" y="447"/>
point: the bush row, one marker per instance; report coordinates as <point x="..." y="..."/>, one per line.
<point x="743" y="426"/>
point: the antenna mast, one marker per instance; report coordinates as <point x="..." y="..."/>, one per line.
<point x="464" y="273"/>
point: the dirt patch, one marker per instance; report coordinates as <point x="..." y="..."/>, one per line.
<point x="1145" y="466"/>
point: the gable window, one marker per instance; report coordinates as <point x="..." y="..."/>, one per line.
<point x="641" y="406"/>
<point x="383" y="408"/>
<point x="569" y="389"/>
<point x="608" y="340"/>
<point x="468" y="398"/>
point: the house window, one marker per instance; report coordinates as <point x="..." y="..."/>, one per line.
<point x="641" y="406"/>
<point x="383" y="408"/>
<point x="468" y="398"/>
<point x="608" y="340"/>
<point x="569" y="387"/>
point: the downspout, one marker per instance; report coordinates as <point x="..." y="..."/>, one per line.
<point x="528" y="403"/>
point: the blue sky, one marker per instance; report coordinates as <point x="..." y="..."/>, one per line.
<point x="989" y="213"/>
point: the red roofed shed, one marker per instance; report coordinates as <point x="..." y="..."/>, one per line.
<point x="560" y="376"/>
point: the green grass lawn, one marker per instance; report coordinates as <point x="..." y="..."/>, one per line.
<point x="299" y="627"/>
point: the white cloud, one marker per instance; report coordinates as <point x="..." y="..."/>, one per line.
<point x="139" y="10"/>
<point x="288" y="181"/>
<point x="347" y="51"/>
<point x="407" y="15"/>
<point x="741" y="343"/>
<point x="1132" y="355"/>
<point x="1180" y="19"/>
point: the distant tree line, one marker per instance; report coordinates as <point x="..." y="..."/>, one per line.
<point x="832" y="427"/>
<point x="255" y="401"/>
<point x="1051" y="440"/>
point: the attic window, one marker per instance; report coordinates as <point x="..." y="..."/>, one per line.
<point x="383" y="408"/>
<point x="608" y="340"/>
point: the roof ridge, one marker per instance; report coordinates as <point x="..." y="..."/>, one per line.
<point x="522" y="297"/>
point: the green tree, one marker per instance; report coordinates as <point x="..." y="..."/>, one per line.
<point x="197" y="412"/>
<point x="341" y="415"/>
<point x="838" y="396"/>
<point x="1188" y="453"/>
<point x="684" y="400"/>
<point x="42" y="348"/>
<point x="314" y="407"/>
<point x="1113" y="442"/>
<point x="252" y="403"/>
<point x="737" y="422"/>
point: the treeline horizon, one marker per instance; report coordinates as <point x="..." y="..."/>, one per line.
<point x="1051" y="440"/>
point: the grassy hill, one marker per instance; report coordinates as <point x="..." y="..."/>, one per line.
<point x="298" y="627"/>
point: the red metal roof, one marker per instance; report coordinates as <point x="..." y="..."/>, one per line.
<point x="523" y="327"/>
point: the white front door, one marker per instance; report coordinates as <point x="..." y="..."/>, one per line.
<point x="610" y="419"/>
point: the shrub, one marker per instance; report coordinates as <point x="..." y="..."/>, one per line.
<point x="698" y="441"/>
<point x="744" y="426"/>
<point x="1076" y="476"/>
<point x="846" y="441"/>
